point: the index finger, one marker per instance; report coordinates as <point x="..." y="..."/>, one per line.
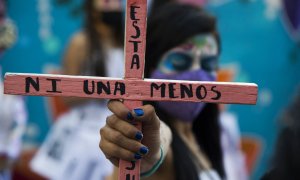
<point x="119" y="109"/>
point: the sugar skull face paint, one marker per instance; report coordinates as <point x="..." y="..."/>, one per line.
<point x="200" y="52"/>
<point x="195" y="60"/>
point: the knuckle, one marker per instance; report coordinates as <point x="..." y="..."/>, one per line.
<point x="150" y="109"/>
<point x="127" y="155"/>
<point x="129" y="130"/>
<point x="110" y="103"/>
<point x="101" y="145"/>
<point x="124" y="113"/>
<point x="117" y="137"/>
<point x="108" y="157"/>
<point x="132" y="131"/>
<point x="101" y="131"/>
<point x="136" y="147"/>
<point x="107" y="119"/>
<point x="152" y="116"/>
<point x="111" y="120"/>
<point x="116" y="152"/>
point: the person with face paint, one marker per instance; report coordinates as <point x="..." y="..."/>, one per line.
<point x="179" y="140"/>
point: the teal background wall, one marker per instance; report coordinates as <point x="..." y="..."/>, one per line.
<point x="43" y="33"/>
<point x="255" y="39"/>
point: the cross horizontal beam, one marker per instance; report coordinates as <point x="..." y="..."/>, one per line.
<point x="129" y="89"/>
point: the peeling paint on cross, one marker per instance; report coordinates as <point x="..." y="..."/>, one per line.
<point x="133" y="89"/>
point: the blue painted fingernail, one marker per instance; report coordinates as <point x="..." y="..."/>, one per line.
<point x="137" y="156"/>
<point x="130" y="116"/>
<point x="139" y="112"/>
<point x="138" y="136"/>
<point x="144" y="150"/>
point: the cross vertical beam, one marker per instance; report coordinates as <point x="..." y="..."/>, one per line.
<point x="135" y="45"/>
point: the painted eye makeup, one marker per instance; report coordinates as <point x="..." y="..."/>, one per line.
<point x="200" y="52"/>
<point x="209" y="63"/>
<point x="177" y="62"/>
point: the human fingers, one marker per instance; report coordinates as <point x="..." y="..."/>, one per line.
<point x="117" y="138"/>
<point x="124" y="127"/>
<point x="147" y="115"/>
<point x="113" y="152"/>
<point x="119" y="109"/>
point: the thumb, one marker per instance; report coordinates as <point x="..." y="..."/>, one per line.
<point x="151" y="130"/>
<point x="147" y="115"/>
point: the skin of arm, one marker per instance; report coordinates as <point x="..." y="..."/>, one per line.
<point x="74" y="57"/>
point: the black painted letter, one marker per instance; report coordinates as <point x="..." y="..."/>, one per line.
<point x="171" y="90"/>
<point x="157" y="87"/>
<point x="35" y="84"/>
<point x="86" y="87"/>
<point x="184" y="90"/>
<point x="135" y="45"/>
<point x="133" y="12"/>
<point x="54" y="85"/>
<point x="132" y="166"/>
<point x="137" y="30"/>
<point x="129" y="178"/>
<point x="101" y="86"/>
<point x="119" y="87"/>
<point x="135" y="61"/>
<point x="199" y="92"/>
<point x="218" y="93"/>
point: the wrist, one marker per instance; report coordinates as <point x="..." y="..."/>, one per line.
<point x="150" y="159"/>
<point x="154" y="167"/>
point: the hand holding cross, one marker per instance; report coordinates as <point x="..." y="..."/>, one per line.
<point x="132" y="89"/>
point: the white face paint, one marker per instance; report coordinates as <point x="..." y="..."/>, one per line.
<point x="108" y="5"/>
<point x="199" y="52"/>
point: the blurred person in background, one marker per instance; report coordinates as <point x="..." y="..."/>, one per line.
<point x="13" y="116"/>
<point x="180" y="140"/>
<point x="98" y="49"/>
<point x="286" y="160"/>
<point x="70" y="150"/>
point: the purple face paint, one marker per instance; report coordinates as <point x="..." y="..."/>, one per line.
<point x="185" y="111"/>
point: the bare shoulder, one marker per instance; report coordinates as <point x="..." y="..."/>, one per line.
<point x="75" y="54"/>
<point x="79" y="39"/>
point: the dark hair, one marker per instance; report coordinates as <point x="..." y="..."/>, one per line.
<point x="158" y="3"/>
<point x="95" y="61"/>
<point x="169" y="26"/>
<point x="96" y="55"/>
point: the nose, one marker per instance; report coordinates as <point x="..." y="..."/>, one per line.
<point x="196" y="64"/>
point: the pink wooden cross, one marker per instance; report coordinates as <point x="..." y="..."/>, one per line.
<point x="133" y="89"/>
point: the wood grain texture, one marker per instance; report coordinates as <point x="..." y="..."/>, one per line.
<point x="72" y="86"/>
